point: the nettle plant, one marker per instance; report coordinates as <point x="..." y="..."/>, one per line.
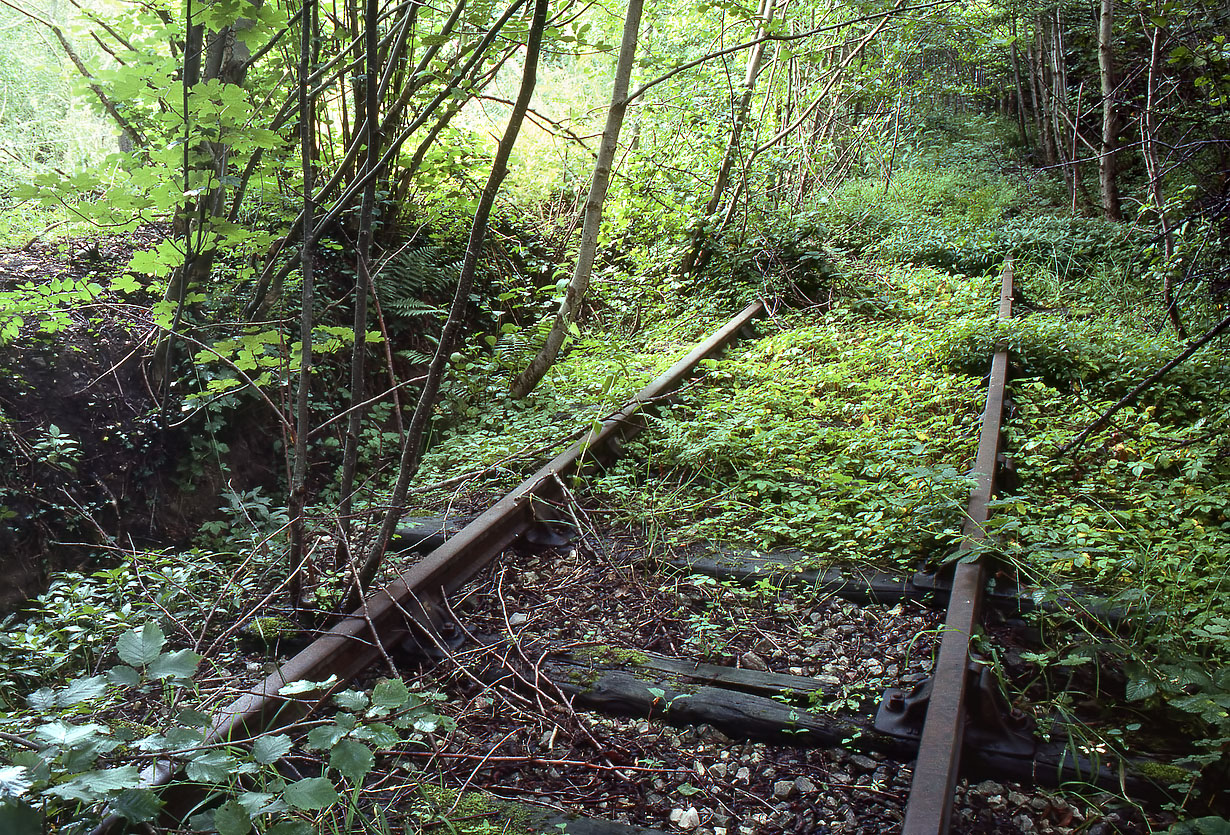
<point x="77" y="753"/>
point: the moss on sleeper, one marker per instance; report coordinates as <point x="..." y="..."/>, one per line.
<point x="606" y="654"/>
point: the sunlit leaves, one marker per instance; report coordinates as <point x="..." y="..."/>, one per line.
<point x="139" y="648"/>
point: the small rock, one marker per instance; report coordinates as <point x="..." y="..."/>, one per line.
<point x="718" y="770"/>
<point x="686" y="819"/>
<point x="517" y="618"/>
<point x="752" y="661"/>
<point x="743" y="775"/>
<point x="1023" y="823"/>
<point x="863" y="762"/>
<point x="783" y="789"/>
<point x="1017" y="799"/>
<point x="804" y="786"/>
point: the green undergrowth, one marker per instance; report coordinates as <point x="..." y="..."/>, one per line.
<point x="837" y="431"/>
<point x="480" y="425"/>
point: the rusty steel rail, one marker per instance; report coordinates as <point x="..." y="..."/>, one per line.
<point x="933" y="789"/>
<point x="412" y="601"/>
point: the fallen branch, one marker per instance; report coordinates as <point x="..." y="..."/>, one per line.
<point x="1145" y="384"/>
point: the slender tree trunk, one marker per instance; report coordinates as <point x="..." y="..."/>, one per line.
<point x="1038" y="101"/>
<point x="1020" y="95"/>
<point x="303" y="415"/>
<point x="477" y="52"/>
<point x="1149" y="141"/>
<point x="1059" y="98"/>
<point x="412" y="443"/>
<point x="577" y="287"/>
<point x="367" y="112"/>
<point x="1107" y="161"/>
<point x="754" y="60"/>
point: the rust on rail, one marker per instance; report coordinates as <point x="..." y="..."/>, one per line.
<point x="412" y="600"/>
<point x="932" y="791"/>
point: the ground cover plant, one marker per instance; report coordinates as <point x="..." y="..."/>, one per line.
<point x="274" y="275"/>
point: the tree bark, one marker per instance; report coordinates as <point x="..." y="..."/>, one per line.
<point x="303" y="414"/>
<point x="579" y="284"/>
<point x="754" y="59"/>
<point x="1153" y="169"/>
<point x="1110" y="116"/>
<point x="1020" y="95"/>
<point x="367" y="109"/>
<point x="412" y="443"/>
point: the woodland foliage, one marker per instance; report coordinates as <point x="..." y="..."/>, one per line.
<point x="258" y="215"/>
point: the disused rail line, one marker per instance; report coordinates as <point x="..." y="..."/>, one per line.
<point x="412" y="601"/>
<point x="930" y="804"/>
<point x="414" y="604"/>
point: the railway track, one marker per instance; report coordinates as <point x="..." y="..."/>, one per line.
<point x="948" y="719"/>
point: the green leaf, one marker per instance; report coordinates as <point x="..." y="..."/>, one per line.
<point x="390" y="693"/>
<point x="353" y="700"/>
<point x="96" y="785"/>
<point x="324" y="737"/>
<point x="267" y="750"/>
<point x="194" y="718"/>
<point x="66" y="735"/>
<point x="14" y="780"/>
<point x="139" y="648"/>
<point x="125" y="283"/>
<point x="352" y="759"/>
<point x="137" y="805"/>
<point x="232" y="819"/>
<point x="312" y="793"/>
<point x="20" y="819"/>
<point x="124" y="676"/>
<point x="42" y="699"/>
<point x="82" y="690"/>
<point x="211" y="767"/>
<point x="1140" y="688"/>
<point x="382" y="735"/>
<point x="298" y="688"/>
<point x="179" y="664"/>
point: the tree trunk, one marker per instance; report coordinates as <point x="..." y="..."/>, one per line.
<point x="1059" y="99"/>
<point x="575" y="293"/>
<point x="367" y="111"/>
<point x="412" y="443"/>
<point x="226" y="60"/>
<point x="1149" y="141"/>
<point x="303" y="414"/>
<point x="1020" y="95"/>
<point x="1110" y="117"/>
<point x="1042" y="83"/>
<point x="754" y="59"/>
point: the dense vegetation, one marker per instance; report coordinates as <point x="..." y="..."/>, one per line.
<point x="239" y="343"/>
